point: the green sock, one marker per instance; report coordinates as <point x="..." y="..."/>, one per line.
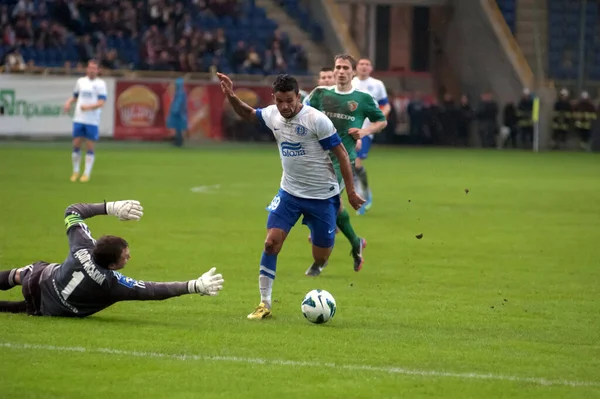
<point x="343" y="222"/>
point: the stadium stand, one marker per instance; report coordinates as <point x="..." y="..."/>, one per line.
<point x="564" y="18"/>
<point x="509" y="10"/>
<point x="190" y="35"/>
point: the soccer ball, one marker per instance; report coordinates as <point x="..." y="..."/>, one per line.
<point x="318" y="306"/>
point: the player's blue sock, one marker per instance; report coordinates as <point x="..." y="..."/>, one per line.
<point x="268" y="265"/>
<point x="89" y="162"/>
<point x="76" y="159"/>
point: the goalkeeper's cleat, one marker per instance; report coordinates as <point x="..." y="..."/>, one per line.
<point x="74" y="177"/>
<point x="314" y="270"/>
<point x="261" y="312"/>
<point x="357" y="254"/>
<point x="84" y="179"/>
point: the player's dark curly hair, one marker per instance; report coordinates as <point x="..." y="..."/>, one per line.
<point x="108" y="250"/>
<point x="285" y="83"/>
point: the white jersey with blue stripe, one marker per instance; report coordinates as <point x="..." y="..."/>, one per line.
<point x="375" y="88"/>
<point x="88" y="91"/>
<point x="304" y="142"/>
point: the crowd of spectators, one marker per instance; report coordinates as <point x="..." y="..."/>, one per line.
<point x="163" y="35"/>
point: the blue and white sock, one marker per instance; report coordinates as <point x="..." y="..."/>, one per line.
<point x="89" y="162"/>
<point x="76" y="159"/>
<point x="268" y="265"/>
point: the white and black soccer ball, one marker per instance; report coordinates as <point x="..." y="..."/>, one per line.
<point x="318" y="306"/>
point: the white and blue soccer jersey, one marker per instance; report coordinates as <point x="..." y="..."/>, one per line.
<point x="375" y="88"/>
<point x="304" y="142"/>
<point x="88" y="91"/>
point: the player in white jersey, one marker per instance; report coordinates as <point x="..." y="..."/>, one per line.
<point x="89" y="96"/>
<point x="309" y="186"/>
<point x="364" y="82"/>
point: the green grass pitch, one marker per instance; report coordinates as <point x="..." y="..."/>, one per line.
<point x="500" y="298"/>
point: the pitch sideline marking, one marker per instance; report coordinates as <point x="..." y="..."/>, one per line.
<point x="294" y="363"/>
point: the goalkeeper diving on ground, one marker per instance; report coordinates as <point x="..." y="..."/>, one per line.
<point x="89" y="280"/>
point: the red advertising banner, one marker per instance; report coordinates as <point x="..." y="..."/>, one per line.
<point x="142" y="110"/>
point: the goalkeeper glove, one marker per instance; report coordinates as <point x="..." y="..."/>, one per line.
<point x="207" y="284"/>
<point x="125" y="210"/>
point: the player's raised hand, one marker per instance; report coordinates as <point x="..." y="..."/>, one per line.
<point x="355" y="133"/>
<point x="208" y="284"/>
<point x="125" y="210"/>
<point x="226" y="84"/>
<point x="355" y="200"/>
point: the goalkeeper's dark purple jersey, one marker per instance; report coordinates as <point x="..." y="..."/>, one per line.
<point x="78" y="287"/>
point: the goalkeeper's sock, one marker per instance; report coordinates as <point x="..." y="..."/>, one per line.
<point x="362" y="176"/>
<point x="13" y="307"/>
<point x="7" y="279"/>
<point x="268" y="265"/>
<point x="343" y="222"/>
<point x="76" y="159"/>
<point x="89" y="162"/>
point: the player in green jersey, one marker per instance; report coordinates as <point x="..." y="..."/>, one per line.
<point x="347" y="108"/>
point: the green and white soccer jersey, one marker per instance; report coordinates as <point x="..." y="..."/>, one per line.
<point x="303" y="95"/>
<point x="346" y="110"/>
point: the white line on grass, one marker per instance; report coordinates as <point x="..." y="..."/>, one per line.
<point x="294" y="363"/>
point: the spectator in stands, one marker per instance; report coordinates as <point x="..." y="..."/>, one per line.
<point x="465" y="118"/>
<point x="279" y="64"/>
<point x="449" y="119"/>
<point x="164" y="62"/>
<point x="86" y="49"/>
<point x="301" y="59"/>
<point x="487" y="124"/>
<point x="525" y="117"/>
<point x="562" y="120"/>
<point x="238" y="56"/>
<point x="510" y="122"/>
<point x="4" y="17"/>
<point x="24" y="8"/>
<point x="186" y="26"/>
<point x="434" y="123"/>
<point x="253" y="64"/>
<point x="417" y="115"/>
<point x="220" y="43"/>
<point x="222" y="8"/>
<point x="41" y="35"/>
<point x="8" y="36"/>
<point x="15" y="62"/>
<point x="111" y="60"/>
<point x="585" y="115"/>
<point x="24" y="31"/>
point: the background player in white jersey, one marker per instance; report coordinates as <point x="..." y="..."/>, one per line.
<point x="375" y="87"/>
<point x="309" y="186"/>
<point x="89" y="96"/>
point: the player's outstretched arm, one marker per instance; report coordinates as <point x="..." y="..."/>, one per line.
<point x="126" y="289"/>
<point x="245" y="111"/>
<point x="341" y="154"/>
<point x="77" y="231"/>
